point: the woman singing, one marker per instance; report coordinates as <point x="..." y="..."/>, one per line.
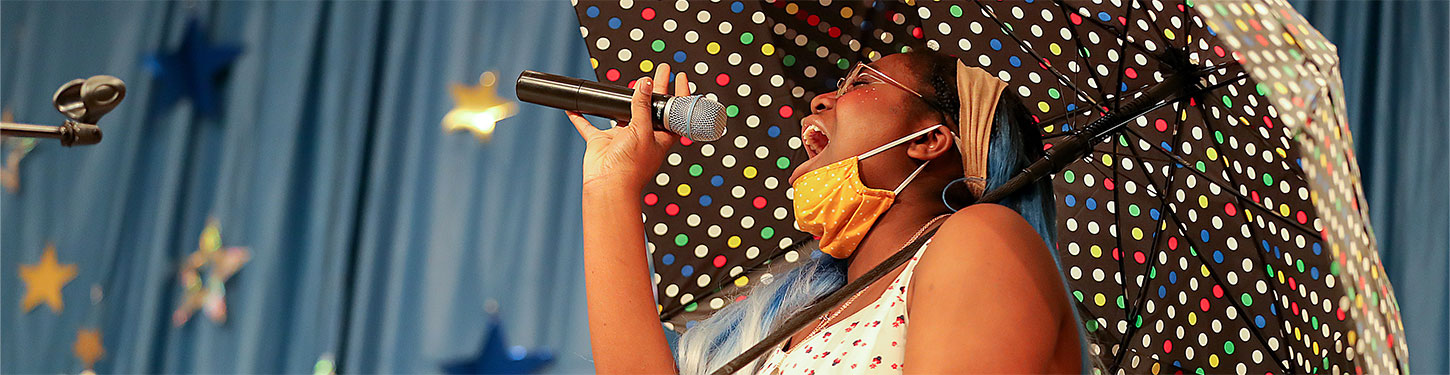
<point x="901" y="146"/>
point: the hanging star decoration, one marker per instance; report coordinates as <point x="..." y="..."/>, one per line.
<point x="478" y="108"/>
<point x="191" y="70"/>
<point x="495" y="358"/>
<point x="209" y="293"/>
<point x="89" y="348"/>
<point x="43" y="281"/>
<point x="19" y="147"/>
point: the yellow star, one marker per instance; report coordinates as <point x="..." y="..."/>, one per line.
<point x="43" y="281"/>
<point x="88" y="347"/>
<point x="478" y="108"/>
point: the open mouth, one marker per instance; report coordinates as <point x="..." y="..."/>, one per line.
<point x="814" y="138"/>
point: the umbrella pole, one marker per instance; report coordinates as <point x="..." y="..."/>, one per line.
<point x="1059" y="156"/>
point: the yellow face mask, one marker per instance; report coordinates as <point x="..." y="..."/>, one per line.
<point x="832" y="203"/>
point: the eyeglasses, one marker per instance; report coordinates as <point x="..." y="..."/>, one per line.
<point x="857" y="74"/>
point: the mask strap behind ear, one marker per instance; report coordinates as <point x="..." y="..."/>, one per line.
<point x="898" y="142"/>
<point x="909" y="178"/>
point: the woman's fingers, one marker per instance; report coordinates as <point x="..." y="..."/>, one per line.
<point x="682" y="85"/>
<point x="662" y="79"/>
<point x="586" y="130"/>
<point x="641" y="121"/>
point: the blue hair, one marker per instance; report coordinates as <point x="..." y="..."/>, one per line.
<point x="737" y="327"/>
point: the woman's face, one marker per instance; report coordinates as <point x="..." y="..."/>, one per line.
<point x="869" y="115"/>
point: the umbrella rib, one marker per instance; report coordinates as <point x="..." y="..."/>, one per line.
<point x="1154" y="250"/>
<point x="1111" y="28"/>
<point x="1061" y="78"/>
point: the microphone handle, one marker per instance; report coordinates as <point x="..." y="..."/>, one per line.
<point x="584" y="96"/>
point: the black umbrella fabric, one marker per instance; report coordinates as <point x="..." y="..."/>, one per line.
<point x="1222" y="230"/>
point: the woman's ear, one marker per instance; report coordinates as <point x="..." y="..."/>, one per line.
<point x="931" y="145"/>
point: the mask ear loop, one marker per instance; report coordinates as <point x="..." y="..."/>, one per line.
<point x="944" y="200"/>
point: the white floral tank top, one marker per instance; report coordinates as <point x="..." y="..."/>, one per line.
<point x="870" y="341"/>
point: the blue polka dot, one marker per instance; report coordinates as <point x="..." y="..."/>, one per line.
<point x="1172" y="277"/>
<point x="668" y="259"/>
<point x="1314" y="272"/>
<point x="717" y="180"/>
<point x="1217" y="256"/>
<point x="614" y="23"/>
<point x="1123" y="86"/>
<point x="1016" y="62"/>
<point x="1066" y="127"/>
<point x="592" y="12"/>
<point x="679" y="57"/>
<point x="1092" y="204"/>
<point x="1070" y="200"/>
<point x="1153" y="213"/>
<point x="1274" y="309"/>
<point x="1317" y="249"/>
<point x="1259" y="321"/>
<point x="705" y="200"/>
<point x="737" y="7"/>
<point x="1165" y="146"/>
<point x="687" y="270"/>
<point x="1204" y="235"/>
<point x="1072" y="107"/>
<point x="774" y="131"/>
<point x="1104" y="16"/>
<point x="996" y="44"/>
<point x="1162" y="291"/>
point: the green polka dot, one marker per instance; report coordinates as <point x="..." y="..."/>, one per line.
<point x="1269" y="268"/>
<point x="1200" y="166"/>
<point x="1153" y="273"/>
<point x="1246" y="299"/>
<point x="843" y="63"/>
<point x="1299" y="264"/>
<point x="1138" y="322"/>
<point x="1077" y="294"/>
<point x="681" y="239"/>
<point x="696" y="170"/>
<point x="1227" y="102"/>
<point x="1069" y="176"/>
<point x="732" y="110"/>
<point x="1133" y="210"/>
<point x="1190" y="3"/>
<point x="767" y="233"/>
<point x="1084" y="52"/>
<point x="1122" y="140"/>
<point x="1122" y="302"/>
<point x="956" y="11"/>
<point x="1268" y="180"/>
<point x="1263" y="89"/>
<point x="1228" y="347"/>
<point x="658" y="45"/>
<point x="1054" y="93"/>
<point x="782" y="163"/>
<point x="692" y="307"/>
<point x="1218" y="136"/>
<point x="747" y="38"/>
<point x="788" y="60"/>
<point x="1092" y="326"/>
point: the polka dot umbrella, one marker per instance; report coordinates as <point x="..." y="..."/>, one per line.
<point x="1210" y="212"/>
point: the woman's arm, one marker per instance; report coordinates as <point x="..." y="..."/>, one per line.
<point x="624" y="326"/>
<point x="985" y="298"/>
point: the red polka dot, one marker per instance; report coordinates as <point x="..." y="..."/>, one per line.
<point x="719" y="261"/>
<point x="1122" y="20"/>
<point x="1303" y="218"/>
<point x="1167" y="346"/>
<point x="813" y="20"/>
<point x="1229" y="209"/>
<point x="612" y="75"/>
<point x="1117" y="255"/>
<point x="1203" y="304"/>
<point x="722" y="79"/>
<point x="1108" y="183"/>
<point x="742" y="296"/>
<point x="834" y="32"/>
<point x="648" y="14"/>
<point x="672" y="209"/>
<point x="1217" y="291"/>
<point x="1131" y="73"/>
<point x="1139" y="257"/>
<point x="1172" y="243"/>
<point x="650" y="199"/>
<point x="786" y="111"/>
<point x="916" y="32"/>
<point x="1076" y="19"/>
<point x="759" y="202"/>
<point x="1218" y="50"/>
<point x="1161" y="125"/>
<point x="685" y="141"/>
<point x="1268" y="122"/>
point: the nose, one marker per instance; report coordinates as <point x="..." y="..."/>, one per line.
<point x="823" y="102"/>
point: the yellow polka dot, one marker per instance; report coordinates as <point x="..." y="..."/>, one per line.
<point x="1212" y="153"/>
<point x="594" y="63"/>
<point x="749" y="172"/>
<point x="1155" y="368"/>
<point x="1203" y="269"/>
<point x="740" y="282"/>
<point x="846" y="12"/>
<point x="1107" y="160"/>
<point x="1213" y="360"/>
<point x="734" y="242"/>
<point x="712" y="48"/>
<point x="1284" y="209"/>
<point x="1100" y="299"/>
<point x="1096" y="251"/>
<point x="1042" y="106"/>
<point x="1137" y="233"/>
<point x="1056" y="50"/>
<point x="792" y="8"/>
<point x="767" y="49"/>
<point x="646" y="66"/>
<point x="659" y="308"/>
<point x="1192" y="318"/>
<point x="1203" y="201"/>
<point x="1168" y="33"/>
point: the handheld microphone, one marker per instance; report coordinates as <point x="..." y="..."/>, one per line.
<point x="693" y="116"/>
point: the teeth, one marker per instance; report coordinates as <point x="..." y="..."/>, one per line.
<point x="812" y="143"/>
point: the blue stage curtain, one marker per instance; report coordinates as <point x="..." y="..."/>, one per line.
<point x="1393" y="56"/>
<point x="378" y="238"/>
<point x="374" y="235"/>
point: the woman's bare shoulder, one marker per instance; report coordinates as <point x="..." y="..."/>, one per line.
<point x="995" y="243"/>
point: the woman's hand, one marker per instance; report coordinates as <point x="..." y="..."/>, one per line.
<point x="626" y="157"/>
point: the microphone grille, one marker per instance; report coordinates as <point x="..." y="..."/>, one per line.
<point x="695" y="117"/>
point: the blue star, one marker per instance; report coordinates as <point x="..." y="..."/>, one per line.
<point x="495" y="358"/>
<point x="191" y="70"/>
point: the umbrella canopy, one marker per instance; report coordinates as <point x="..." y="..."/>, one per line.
<point x="1220" y="232"/>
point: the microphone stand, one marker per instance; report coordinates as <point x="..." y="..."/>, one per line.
<point x="83" y="102"/>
